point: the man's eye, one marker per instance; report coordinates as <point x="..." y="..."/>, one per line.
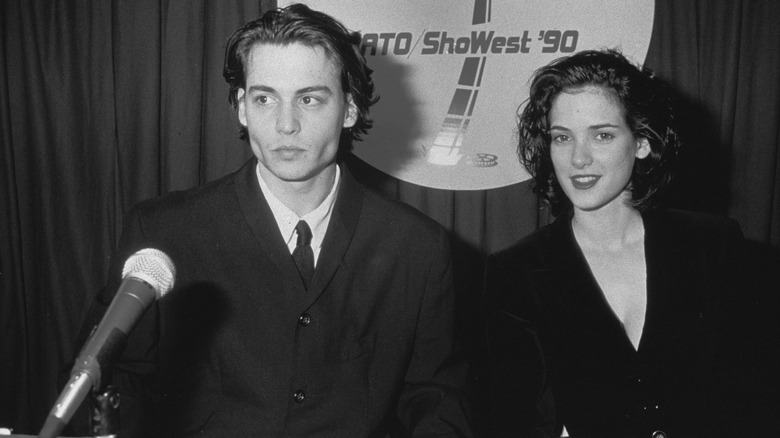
<point x="309" y="100"/>
<point x="261" y="99"/>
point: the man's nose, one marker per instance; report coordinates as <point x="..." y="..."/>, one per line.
<point x="287" y="119"/>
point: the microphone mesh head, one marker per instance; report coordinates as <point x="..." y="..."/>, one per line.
<point x="152" y="266"/>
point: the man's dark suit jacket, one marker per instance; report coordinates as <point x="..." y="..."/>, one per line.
<point x="553" y="336"/>
<point x="240" y="348"/>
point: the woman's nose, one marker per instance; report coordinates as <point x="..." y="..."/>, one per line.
<point x="580" y="155"/>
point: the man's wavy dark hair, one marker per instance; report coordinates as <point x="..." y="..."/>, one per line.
<point x="648" y="109"/>
<point x="298" y="23"/>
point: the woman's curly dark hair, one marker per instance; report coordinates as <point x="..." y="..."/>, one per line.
<point x="298" y="23"/>
<point x="648" y="109"/>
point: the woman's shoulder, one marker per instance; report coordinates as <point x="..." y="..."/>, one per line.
<point x="693" y="217"/>
<point x="691" y="226"/>
<point x="535" y="245"/>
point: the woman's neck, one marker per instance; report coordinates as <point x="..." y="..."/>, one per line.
<point x="614" y="227"/>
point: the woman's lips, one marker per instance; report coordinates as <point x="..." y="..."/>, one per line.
<point x="584" y="182"/>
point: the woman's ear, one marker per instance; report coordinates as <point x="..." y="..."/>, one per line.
<point x="642" y="148"/>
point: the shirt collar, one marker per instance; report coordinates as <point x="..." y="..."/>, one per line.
<point x="318" y="219"/>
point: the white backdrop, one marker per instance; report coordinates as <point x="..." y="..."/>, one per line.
<point x="451" y="75"/>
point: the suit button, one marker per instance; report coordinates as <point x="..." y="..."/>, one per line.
<point x="304" y="319"/>
<point x="299" y="397"/>
<point x="659" y="434"/>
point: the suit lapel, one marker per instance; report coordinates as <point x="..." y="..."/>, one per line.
<point x="261" y="221"/>
<point x="341" y="230"/>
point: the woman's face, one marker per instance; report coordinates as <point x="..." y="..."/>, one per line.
<point x="592" y="148"/>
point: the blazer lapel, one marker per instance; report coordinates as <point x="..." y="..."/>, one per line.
<point x="656" y="253"/>
<point x="671" y="275"/>
<point x="578" y="295"/>
<point x="261" y="221"/>
<point x="341" y="230"/>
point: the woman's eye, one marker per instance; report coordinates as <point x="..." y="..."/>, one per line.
<point x="309" y="100"/>
<point x="561" y="138"/>
<point x="604" y="136"/>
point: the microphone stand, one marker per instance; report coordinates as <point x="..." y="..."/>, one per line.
<point x="104" y="419"/>
<point x="103" y="409"/>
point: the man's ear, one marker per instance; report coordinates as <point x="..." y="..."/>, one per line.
<point x="241" y="102"/>
<point x="642" y="148"/>
<point x="351" y="115"/>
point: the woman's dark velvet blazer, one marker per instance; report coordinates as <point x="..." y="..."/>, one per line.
<point x="559" y="355"/>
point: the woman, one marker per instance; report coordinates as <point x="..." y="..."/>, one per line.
<point x="621" y="299"/>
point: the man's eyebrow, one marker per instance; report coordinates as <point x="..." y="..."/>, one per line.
<point x="260" y="88"/>
<point x="313" y="89"/>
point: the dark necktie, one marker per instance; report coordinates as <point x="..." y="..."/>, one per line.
<point x="303" y="254"/>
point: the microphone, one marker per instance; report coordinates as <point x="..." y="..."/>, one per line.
<point x="147" y="275"/>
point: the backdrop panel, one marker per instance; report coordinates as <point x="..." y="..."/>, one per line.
<point x="103" y="104"/>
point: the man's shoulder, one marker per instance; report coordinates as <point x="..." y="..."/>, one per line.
<point x="393" y="213"/>
<point x="207" y="196"/>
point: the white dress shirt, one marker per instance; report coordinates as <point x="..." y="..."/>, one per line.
<point x="318" y="219"/>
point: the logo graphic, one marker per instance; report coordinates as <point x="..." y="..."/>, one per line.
<point x="446" y="146"/>
<point x="452" y="74"/>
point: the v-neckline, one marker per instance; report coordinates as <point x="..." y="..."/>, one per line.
<point x="600" y="296"/>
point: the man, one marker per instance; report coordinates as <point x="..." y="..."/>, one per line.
<point x="248" y="343"/>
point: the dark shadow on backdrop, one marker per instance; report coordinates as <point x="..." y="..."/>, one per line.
<point x="701" y="174"/>
<point x="394" y="92"/>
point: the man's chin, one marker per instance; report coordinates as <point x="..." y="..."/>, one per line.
<point x="293" y="173"/>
